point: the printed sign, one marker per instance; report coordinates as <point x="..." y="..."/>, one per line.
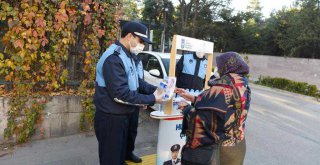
<point x="192" y="44"/>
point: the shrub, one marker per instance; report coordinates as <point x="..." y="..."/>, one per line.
<point x="289" y="85"/>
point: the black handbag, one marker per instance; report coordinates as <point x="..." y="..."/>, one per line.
<point x="204" y="155"/>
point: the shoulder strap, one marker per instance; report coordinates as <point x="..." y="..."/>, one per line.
<point x="117" y="50"/>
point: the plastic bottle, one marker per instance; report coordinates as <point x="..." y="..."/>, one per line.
<point x="196" y="93"/>
<point x="192" y="92"/>
<point x="163" y="85"/>
<point x="161" y="107"/>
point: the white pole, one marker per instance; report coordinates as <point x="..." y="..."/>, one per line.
<point x="151" y="39"/>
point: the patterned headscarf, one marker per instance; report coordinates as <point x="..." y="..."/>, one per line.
<point x="231" y="62"/>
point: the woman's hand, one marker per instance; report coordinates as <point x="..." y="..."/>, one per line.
<point x="182" y="105"/>
<point x="179" y="91"/>
<point x="184" y="94"/>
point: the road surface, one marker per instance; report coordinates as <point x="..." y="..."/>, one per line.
<point x="282" y="128"/>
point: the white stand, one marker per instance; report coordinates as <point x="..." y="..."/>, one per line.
<point x="168" y="135"/>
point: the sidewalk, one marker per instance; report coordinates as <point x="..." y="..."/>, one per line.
<point x="81" y="149"/>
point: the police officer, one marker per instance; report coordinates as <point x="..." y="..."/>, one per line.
<point x="191" y="71"/>
<point x="117" y="93"/>
<point x="174" y="154"/>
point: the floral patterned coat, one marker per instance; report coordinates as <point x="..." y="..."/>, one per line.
<point x="219" y="113"/>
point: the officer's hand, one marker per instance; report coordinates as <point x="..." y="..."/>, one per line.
<point x="158" y="94"/>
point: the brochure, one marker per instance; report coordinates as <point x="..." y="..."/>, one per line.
<point x="168" y="86"/>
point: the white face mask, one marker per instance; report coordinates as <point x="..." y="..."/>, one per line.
<point x="137" y="49"/>
<point x="200" y="54"/>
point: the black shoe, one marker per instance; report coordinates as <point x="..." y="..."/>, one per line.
<point x="134" y="158"/>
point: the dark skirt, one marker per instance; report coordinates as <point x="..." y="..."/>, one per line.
<point x="233" y="155"/>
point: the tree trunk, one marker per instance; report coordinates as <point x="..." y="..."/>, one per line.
<point x="185" y="11"/>
<point x="194" y="20"/>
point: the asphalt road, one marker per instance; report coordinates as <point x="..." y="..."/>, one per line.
<point x="282" y="129"/>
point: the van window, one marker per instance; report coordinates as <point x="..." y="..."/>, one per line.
<point x="153" y="63"/>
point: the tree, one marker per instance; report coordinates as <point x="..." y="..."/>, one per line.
<point x="308" y="19"/>
<point x="159" y="13"/>
<point x="198" y="15"/>
<point x="291" y="31"/>
<point x="254" y="10"/>
<point x="229" y="32"/>
<point x="252" y="28"/>
<point x="269" y="35"/>
<point x="129" y="10"/>
<point x="240" y="32"/>
<point x="299" y="29"/>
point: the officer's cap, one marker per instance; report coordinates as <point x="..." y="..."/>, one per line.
<point x="175" y="147"/>
<point x="137" y="29"/>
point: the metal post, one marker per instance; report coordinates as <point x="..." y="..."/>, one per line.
<point x="164" y="31"/>
<point x="163" y="39"/>
<point x="164" y="28"/>
<point x="151" y="39"/>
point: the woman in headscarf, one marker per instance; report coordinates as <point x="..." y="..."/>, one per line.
<point x="218" y="115"/>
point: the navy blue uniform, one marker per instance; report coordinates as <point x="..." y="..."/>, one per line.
<point x="191" y="72"/>
<point x="116" y="98"/>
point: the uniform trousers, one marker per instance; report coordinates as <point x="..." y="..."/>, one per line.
<point x="133" y="131"/>
<point x="111" y="132"/>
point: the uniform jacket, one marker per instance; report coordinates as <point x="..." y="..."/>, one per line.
<point x="191" y="72"/>
<point x="118" y="83"/>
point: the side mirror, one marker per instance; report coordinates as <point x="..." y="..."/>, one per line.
<point x="154" y="72"/>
